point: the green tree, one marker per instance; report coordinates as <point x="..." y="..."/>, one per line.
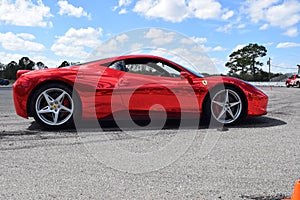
<point x="2" y="70"/>
<point x="244" y="62"/>
<point x="2" y="67"/>
<point x="64" y="64"/>
<point x="11" y="70"/>
<point x="26" y="63"/>
<point x="40" y="65"/>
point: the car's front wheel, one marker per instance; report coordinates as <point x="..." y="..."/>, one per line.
<point x="53" y="106"/>
<point x="226" y="106"/>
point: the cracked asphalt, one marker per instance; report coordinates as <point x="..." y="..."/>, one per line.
<point x="258" y="159"/>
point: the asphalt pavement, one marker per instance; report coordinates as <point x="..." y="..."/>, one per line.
<point x="257" y="159"/>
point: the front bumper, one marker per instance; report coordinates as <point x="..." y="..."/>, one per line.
<point x="257" y="103"/>
<point x="20" y="97"/>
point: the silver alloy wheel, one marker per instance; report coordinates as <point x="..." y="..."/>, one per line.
<point x="54" y="106"/>
<point x="226" y="106"/>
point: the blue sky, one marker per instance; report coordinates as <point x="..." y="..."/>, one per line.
<point x="53" y="31"/>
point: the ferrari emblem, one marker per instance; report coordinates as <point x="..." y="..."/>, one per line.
<point x="204" y="82"/>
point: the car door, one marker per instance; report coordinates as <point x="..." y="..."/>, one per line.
<point x="152" y="91"/>
<point x="107" y="97"/>
<point x="96" y="83"/>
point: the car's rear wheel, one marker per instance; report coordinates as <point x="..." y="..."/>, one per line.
<point x="53" y="106"/>
<point x="225" y="106"/>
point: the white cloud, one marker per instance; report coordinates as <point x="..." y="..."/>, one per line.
<point x="110" y="46"/>
<point x="69" y="51"/>
<point x="218" y="48"/>
<point x="200" y="48"/>
<point x="51" y="63"/>
<point x="264" y="27"/>
<point x="26" y="36"/>
<point x="88" y="37"/>
<point x="276" y="13"/>
<point x="291" y="32"/>
<point x="8" y="57"/>
<point x="257" y="8"/>
<point x="122" y="38"/>
<point x="193" y="40"/>
<point x="225" y="29"/>
<point x="227" y="15"/>
<point x="206" y="49"/>
<point x="75" y="42"/>
<point x="25" y="13"/>
<point x="287" y="45"/>
<point x="206" y="9"/>
<point x="113" y="47"/>
<point x="178" y="10"/>
<point x="123" y="11"/>
<point x="169" y="10"/>
<point x="268" y="44"/>
<point x="238" y="47"/>
<point x="136" y="46"/>
<point x="124" y="2"/>
<point x="70" y="10"/>
<point x="284" y="15"/>
<point x="199" y="40"/>
<point x="20" y="42"/>
<point x="159" y="37"/>
<point x="240" y="26"/>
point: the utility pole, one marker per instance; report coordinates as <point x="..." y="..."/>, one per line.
<point x="269" y="63"/>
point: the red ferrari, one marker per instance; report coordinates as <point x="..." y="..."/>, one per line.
<point x="136" y="85"/>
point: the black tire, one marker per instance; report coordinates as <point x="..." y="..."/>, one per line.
<point x="298" y="84"/>
<point x="54" y="107"/>
<point x="218" y="111"/>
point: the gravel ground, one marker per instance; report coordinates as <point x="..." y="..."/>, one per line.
<point x="259" y="159"/>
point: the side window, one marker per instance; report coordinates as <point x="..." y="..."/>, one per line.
<point x="145" y="69"/>
<point x="150" y="67"/>
<point x="153" y="69"/>
<point x="170" y="70"/>
<point x="119" y="65"/>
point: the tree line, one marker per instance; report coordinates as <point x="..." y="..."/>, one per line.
<point x="8" y="71"/>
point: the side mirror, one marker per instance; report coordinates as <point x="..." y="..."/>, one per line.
<point x="187" y="76"/>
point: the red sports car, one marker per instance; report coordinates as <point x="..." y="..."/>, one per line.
<point x="136" y="85"/>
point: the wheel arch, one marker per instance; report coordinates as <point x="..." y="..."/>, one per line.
<point x="220" y="86"/>
<point x="42" y="84"/>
